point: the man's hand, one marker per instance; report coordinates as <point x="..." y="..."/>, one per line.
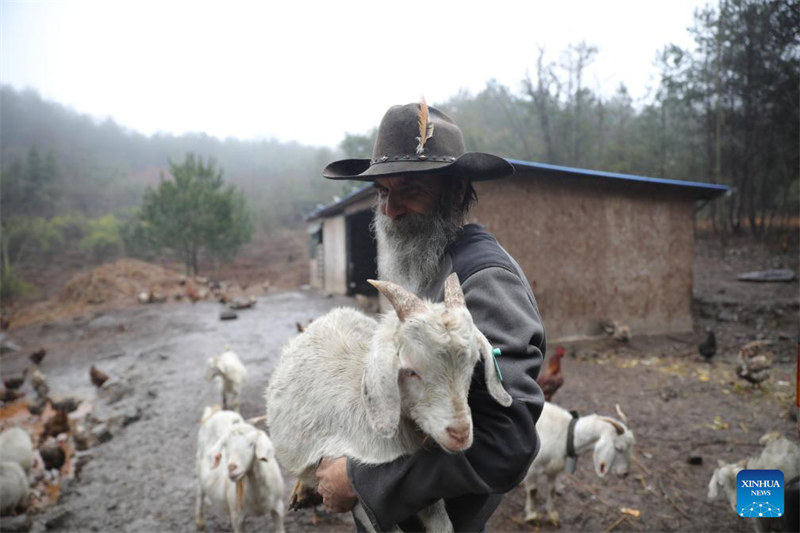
<point x="338" y="495"/>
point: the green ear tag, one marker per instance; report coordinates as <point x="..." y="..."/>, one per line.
<point x="495" y="353"/>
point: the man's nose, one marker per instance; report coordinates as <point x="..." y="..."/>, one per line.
<point x="392" y="208"/>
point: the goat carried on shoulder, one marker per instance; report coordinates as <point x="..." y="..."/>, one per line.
<point x="565" y="436"/>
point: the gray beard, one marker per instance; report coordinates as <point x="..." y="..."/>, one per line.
<point x="410" y="249"/>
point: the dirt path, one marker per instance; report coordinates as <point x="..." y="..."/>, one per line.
<point x="142" y="479"/>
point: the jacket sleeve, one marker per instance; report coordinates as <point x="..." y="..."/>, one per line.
<point x="505" y="440"/>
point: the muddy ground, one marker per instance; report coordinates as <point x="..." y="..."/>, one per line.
<point x="142" y="479"/>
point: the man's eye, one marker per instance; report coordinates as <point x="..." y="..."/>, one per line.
<point x="382" y="192"/>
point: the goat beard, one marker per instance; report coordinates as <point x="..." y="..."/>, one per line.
<point x="410" y="248"/>
<point x="239" y="494"/>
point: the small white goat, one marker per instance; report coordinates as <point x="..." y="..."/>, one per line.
<point x="611" y="440"/>
<point x="14" y="487"/>
<point x="232" y="374"/>
<point x="16" y="446"/>
<point x="250" y="482"/>
<point x="779" y="453"/>
<point x="349" y="386"/>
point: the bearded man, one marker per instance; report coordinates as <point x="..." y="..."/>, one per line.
<point x="423" y="177"/>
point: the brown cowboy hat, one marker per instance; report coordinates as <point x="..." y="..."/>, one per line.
<point x="419" y="138"/>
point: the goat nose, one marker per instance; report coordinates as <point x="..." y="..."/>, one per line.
<point x="459" y="433"/>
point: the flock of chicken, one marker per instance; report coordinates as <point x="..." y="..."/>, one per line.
<point x="753" y="363"/>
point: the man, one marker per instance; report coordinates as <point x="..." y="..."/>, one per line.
<point x="424" y="182"/>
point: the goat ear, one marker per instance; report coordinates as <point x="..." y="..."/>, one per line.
<point x="493" y="382"/>
<point x="453" y="295"/>
<point x="262" y="447"/>
<point x="380" y="390"/>
<point x="405" y="303"/>
<point x="216" y="452"/>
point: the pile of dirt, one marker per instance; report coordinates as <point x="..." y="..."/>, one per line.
<point x="278" y="261"/>
<point x="113" y="285"/>
<point x="122" y="280"/>
<point x="125" y="283"/>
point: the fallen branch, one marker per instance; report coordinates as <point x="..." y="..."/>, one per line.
<point x="617" y="522"/>
<point x="641" y="465"/>
<point x="591" y="491"/>
<point x="672" y="503"/>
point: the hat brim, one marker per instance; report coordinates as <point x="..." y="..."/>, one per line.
<point x="477" y="166"/>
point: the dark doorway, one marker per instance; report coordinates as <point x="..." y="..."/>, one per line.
<point x="362" y="253"/>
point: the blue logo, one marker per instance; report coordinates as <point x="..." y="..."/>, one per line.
<point x="759" y="493"/>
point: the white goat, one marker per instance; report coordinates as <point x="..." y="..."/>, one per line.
<point x="350" y="386"/>
<point x="232" y="374"/>
<point x="779" y="453"/>
<point x="16" y="446"/>
<point x="14" y="487"/>
<point x="250" y="483"/>
<point x="611" y="440"/>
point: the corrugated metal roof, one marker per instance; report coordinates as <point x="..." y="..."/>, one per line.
<point x="694" y="189"/>
<point x="698" y="190"/>
<point x="337" y="207"/>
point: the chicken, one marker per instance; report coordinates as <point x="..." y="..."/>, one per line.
<point x="98" y="376"/>
<point x="15" y="382"/>
<point x="37" y="407"/>
<point x="38" y="355"/>
<point x="52" y="452"/>
<point x="619" y="331"/>
<point x="241" y="303"/>
<point x="10" y="395"/>
<point x="755" y="360"/>
<point x="552" y="379"/>
<point x="192" y="292"/>
<point x="708" y="347"/>
<point x="39" y="384"/>
<point x="56" y="425"/>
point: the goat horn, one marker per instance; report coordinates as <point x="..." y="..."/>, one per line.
<point x="621" y="414"/>
<point x="256" y="420"/>
<point x="453" y="295"/>
<point x="617" y="426"/>
<point x="404" y="302"/>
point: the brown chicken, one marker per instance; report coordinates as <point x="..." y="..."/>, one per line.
<point x="552" y="379"/>
<point x="192" y="292"/>
<point x="55" y="425"/>
<point x="98" y="376"/>
<point x="755" y="361"/>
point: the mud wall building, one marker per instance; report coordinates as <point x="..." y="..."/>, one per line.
<point x="595" y="246"/>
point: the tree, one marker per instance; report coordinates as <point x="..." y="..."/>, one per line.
<point x="739" y="100"/>
<point x="194" y="212"/>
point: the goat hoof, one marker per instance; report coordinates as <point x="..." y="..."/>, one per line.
<point x="532" y="517"/>
<point x="201" y="524"/>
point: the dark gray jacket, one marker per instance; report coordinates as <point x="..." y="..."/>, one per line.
<point x="505" y="442"/>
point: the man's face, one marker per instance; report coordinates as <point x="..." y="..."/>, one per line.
<point x="399" y="196"/>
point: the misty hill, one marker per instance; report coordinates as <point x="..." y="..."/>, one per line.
<point x="105" y="168"/>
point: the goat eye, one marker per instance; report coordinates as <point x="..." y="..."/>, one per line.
<point x="407" y="372"/>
